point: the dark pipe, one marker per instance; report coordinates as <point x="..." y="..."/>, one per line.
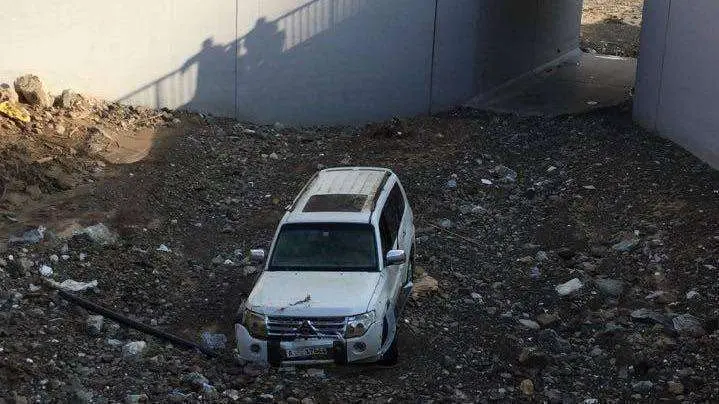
<point x="132" y="323"/>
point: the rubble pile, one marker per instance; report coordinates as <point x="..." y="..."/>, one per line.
<point x="51" y="143"/>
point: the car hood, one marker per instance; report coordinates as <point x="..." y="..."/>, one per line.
<point x="305" y="293"/>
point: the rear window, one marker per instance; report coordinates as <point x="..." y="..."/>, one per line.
<point x="325" y="247"/>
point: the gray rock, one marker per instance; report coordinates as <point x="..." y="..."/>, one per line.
<point x="136" y="399"/>
<point x="133" y="350"/>
<point x="30" y="90"/>
<point x="99" y="234"/>
<point x="67" y="99"/>
<point x="7" y="93"/>
<point x="94" y="324"/>
<point x="611" y="287"/>
<point x="505" y="174"/>
<point x="315" y="372"/>
<point x="32" y="236"/>
<point x="307" y="400"/>
<point x="532" y="325"/>
<point x="648" y="316"/>
<point x="626" y="245"/>
<point x="643" y="386"/>
<point x="232" y="394"/>
<point x="569" y="287"/>
<point x="26" y="264"/>
<point x="195" y="379"/>
<point x="686" y="324"/>
<point x="113" y="342"/>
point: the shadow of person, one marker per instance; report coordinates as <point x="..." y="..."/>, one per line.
<point x="214" y="85"/>
<point x="259" y="69"/>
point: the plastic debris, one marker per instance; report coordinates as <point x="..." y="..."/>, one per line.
<point x="486" y="181"/>
<point x="164" y="248"/>
<point x="14" y="111"/>
<point x="214" y="341"/>
<point x="686" y="324"/>
<point x="626" y="245"/>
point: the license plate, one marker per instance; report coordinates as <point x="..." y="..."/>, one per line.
<point x="305" y="352"/>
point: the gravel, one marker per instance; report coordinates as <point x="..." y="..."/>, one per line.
<point x="487" y="325"/>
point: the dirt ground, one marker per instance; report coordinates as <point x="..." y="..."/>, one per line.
<point x="612" y="26"/>
<point x="212" y="188"/>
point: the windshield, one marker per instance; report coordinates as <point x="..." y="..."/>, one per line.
<point x="325" y="247"/>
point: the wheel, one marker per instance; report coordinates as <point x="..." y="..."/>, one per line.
<point x="391" y="357"/>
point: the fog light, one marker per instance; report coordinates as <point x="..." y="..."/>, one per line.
<point x="255" y="348"/>
<point x="360" y="346"/>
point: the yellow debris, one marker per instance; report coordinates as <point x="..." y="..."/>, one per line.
<point x="14" y="111"/>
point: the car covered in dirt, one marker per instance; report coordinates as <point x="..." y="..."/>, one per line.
<point x="337" y="276"/>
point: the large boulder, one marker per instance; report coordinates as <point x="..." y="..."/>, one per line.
<point x="30" y="90"/>
<point x="7" y="93"/>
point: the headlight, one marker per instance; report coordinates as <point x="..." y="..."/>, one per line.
<point x="358" y="325"/>
<point x="255" y="323"/>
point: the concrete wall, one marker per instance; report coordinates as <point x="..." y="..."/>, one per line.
<point x="677" y="84"/>
<point x="294" y="61"/>
<point x="481" y="45"/>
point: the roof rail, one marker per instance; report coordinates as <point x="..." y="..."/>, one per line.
<point x="291" y="206"/>
<point x="379" y="190"/>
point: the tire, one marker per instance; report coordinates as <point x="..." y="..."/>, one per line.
<point x="391" y="357"/>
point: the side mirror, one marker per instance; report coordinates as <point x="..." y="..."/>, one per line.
<point x="257" y="256"/>
<point x="396" y="257"/>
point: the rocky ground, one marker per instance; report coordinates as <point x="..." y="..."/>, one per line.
<point x="612" y="26"/>
<point x="576" y="257"/>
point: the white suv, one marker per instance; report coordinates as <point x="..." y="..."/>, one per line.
<point x="338" y="274"/>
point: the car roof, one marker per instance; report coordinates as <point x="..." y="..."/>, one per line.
<point x="346" y="194"/>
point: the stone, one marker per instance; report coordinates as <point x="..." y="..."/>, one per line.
<point x="532" y="325"/>
<point x="648" y="316"/>
<point x="99" y="234"/>
<point x="445" y="223"/>
<point x="67" y="99"/>
<point x="218" y="260"/>
<point x="505" y="174"/>
<point x="60" y="129"/>
<point x="424" y="286"/>
<point x="569" y="287"/>
<point x="546" y="319"/>
<point x="610" y="287"/>
<point x="315" y="372"/>
<point x="643" y="386"/>
<point x="274" y="156"/>
<point x="626" y="245"/>
<point x="94" y="324"/>
<point x="136" y="399"/>
<point x="532" y="357"/>
<point x="133" y="350"/>
<point x="675" y="387"/>
<point x="232" y="394"/>
<point x="686" y="324"/>
<point x="46" y="271"/>
<point x="692" y="294"/>
<point x="196" y="380"/>
<point x="527" y="387"/>
<point x="7" y="93"/>
<point x="30" y="90"/>
<point x="307" y="400"/>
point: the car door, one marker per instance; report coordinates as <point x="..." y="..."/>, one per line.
<point x="390" y="232"/>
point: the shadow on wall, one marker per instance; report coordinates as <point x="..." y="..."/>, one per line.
<point x="320" y="62"/>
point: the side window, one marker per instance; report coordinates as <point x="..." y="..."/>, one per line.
<point x="391" y="218"/>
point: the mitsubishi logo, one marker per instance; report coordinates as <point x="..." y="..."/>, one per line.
<point x="306" y="329"/>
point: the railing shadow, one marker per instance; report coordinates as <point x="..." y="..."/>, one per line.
<point x="214" y="78"/>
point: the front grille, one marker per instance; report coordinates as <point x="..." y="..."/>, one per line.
<point x="305" y="327"/>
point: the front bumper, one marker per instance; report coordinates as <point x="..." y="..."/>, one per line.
<point x="339" y="350"/>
